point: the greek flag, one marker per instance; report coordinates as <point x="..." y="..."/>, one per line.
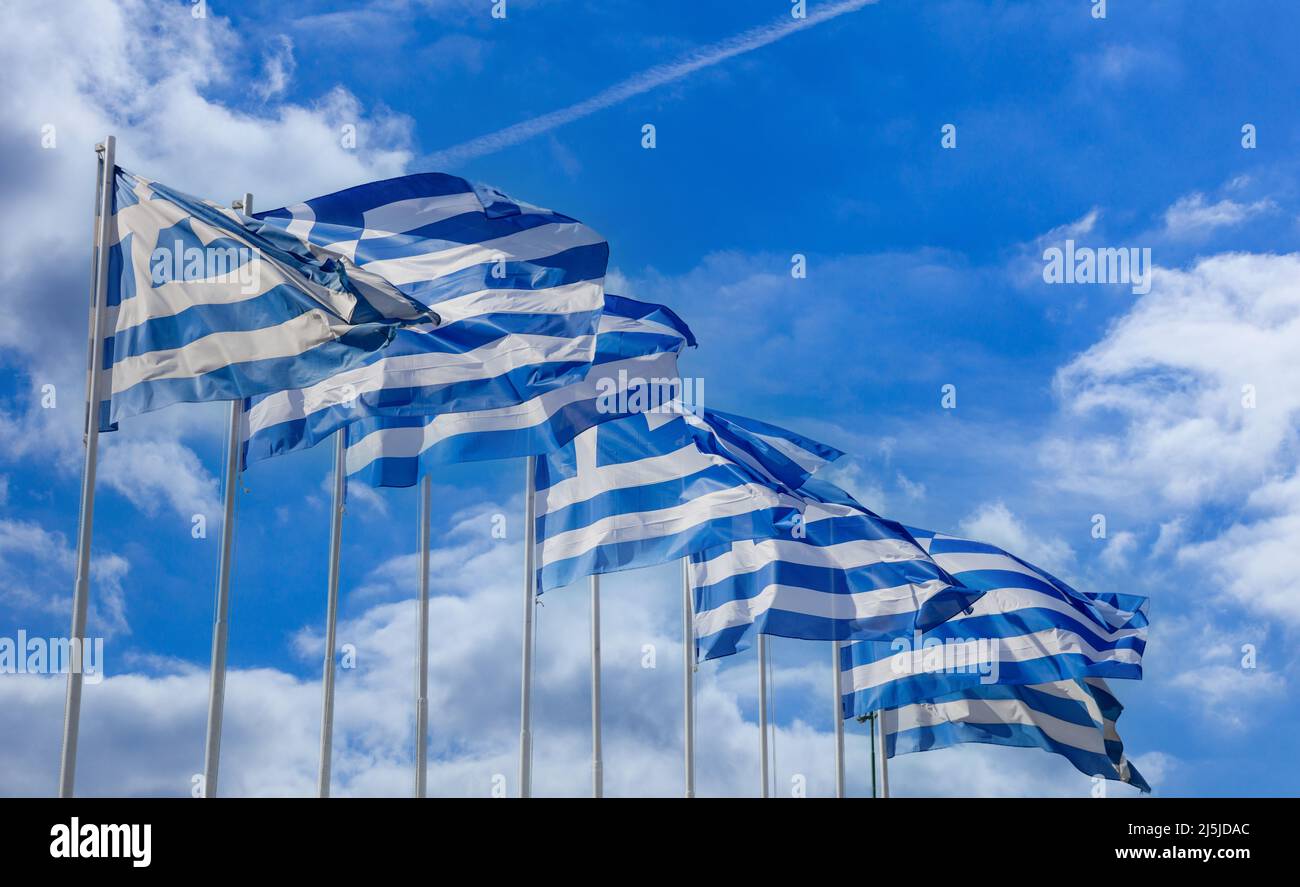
<point x="1028" y="628"/>
<point x="636" y="360"/>
<point x="1073" y="718"/>
<point x="654" y="486"/>
<point x="519" y="291"/>
<point x="204" y="303"/>
<point x="845" y="574"/>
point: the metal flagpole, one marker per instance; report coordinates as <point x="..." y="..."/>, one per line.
<point x="688" y="683"/>
<point x="526" y="677"/>
<point x="884" y="756"/>
<point x="838" y="705"/>
<point x="221" y="612"/>
<point x="331" y="616"/>
<point x="871" y="719"/>
<point x="762" y="711"/>
<point x="85" y="521"/>
<point x="597" y="764"/>
<point x="422" y="643"/>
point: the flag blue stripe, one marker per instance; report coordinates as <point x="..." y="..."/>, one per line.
<point x="1060" y="722"/>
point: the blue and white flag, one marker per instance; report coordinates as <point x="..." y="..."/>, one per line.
<point x="635" y="368"/>
<point x="847" y="574"/>
<point x="1074" y="718"/>
<point x="1028" y="628"/>
<point x="655" y="486"/>
<point x="519" y="291"/>
<point x="204" y="303"/>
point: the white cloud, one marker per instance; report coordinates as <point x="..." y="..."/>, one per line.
<point x="1119" y="546"/>
<point x="1228" y="695"/>
<point x="994" y="523"/>
<point x="1167" y="383"/>
<point x="156" y="473"/>
<point x="142" y="733"/>
<point x="1191" y="400"/>
<point x="93" y="70"/>
<point x="1256" y="559"/>
<point x="37" y="573"/>
<point x="277" y="69"/>
<point x="1193" y="216"/>
<point x="850" y="475"/>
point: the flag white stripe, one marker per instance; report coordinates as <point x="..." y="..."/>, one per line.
<point x="634" y="526"/>
<point x="875" y="603"/>
<point x="214" y="351"/>
<point x="750" y="556"/>
<point x="534" y="243"/>
<point x="402" y="216"/>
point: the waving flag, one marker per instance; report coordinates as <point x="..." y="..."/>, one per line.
<point x="846" y="573"/>
<point x="206" y="304"/>
<point x="651" y="487"/>
<point x="849" y="574"/>
<point x="636" y="348"/>
<point x="1028" y="628"/>
<point x="1072" y="718"/>
<point x="422" y="292"/>
<point x="519" y="291"/>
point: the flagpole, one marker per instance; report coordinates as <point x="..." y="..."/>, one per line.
<point x="762" y="712"/>
<point x="221" y="612"/>
<point x="526" y="676"/>
<point x="597" y="764"/>
<point x="422" y="643"/>
<point x="871" y="719"/>
<point x="688" y="682"/>
<point x="85" y="521"/>
<point x="331" y="615"/>
<point x="884" y="756"/>
<point x="838" y="706"/>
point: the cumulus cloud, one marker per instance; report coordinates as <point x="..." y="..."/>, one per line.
<point x="1195" y="390"/>
<point x="143" y="731"/>
<point x="1191" y="401"/>
<point x="93" y="70"/>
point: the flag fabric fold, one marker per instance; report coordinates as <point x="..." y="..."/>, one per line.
<point x="1028" y="628"/>
<point x="419" y="293"/>
<point x="849" y="574"/>
<point x="519" y="291"/>
<point x="203" y="304"/>
<point x="654" y="486"/>
<point x="845" y="573"/>
<point x="1074" y="718"/>
<point x="636" y="360"/>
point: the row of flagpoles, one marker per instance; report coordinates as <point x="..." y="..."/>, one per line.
<point x="765" y="547"/>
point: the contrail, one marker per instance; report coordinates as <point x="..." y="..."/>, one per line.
<point x="647" y="80"/>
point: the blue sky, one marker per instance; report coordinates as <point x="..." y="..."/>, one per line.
<point x="924" y="270"/>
